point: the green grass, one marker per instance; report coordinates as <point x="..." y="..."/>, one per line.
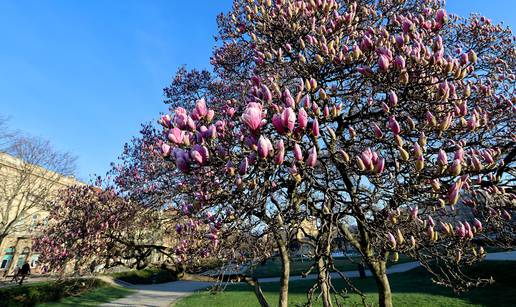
<point x="91" y="298"/>
<point x="413" y="288"/>
<point x="273" y="266"/>
<point x="68" y="292"/>
<point x="146" y="276"/>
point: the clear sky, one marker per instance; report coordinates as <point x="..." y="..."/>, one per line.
<point x="85" y="74"/>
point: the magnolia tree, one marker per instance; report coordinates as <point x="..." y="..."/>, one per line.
<point x="391" y="117"/>
<point x="90" y="225"/>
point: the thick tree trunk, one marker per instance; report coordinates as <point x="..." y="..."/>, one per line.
<point x="285" y="273"/>
<point x="257" y="291"/>
<point x="378" y="269"/>
<point x="324" y="282"/>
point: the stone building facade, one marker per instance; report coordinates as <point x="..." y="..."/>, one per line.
<point x="16" y="247"/>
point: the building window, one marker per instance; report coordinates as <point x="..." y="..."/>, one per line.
<point x="34" y="260"/>
<point x="23" y="257"/>
<point x="9" y="252"/>
<point x="35" y="219"/>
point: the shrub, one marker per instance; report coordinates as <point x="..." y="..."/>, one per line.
<point x="147" y="276"/>
<point x="32" y="294"/>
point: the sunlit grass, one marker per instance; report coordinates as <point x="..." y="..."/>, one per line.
<point x="413" y="288"/>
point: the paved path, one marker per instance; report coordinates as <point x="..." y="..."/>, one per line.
<point x="159" y="294"/>
<point x="167" y="293"/>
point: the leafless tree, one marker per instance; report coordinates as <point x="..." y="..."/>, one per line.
<point x="30" y="172"/>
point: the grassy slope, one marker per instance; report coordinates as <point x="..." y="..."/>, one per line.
<point x="91" y="298"/>
<point x="273" y="266"/>
<point x="413" y="288"/>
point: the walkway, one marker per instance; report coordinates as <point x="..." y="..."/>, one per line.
<point x="167" y="293"/>
<point x="158" y="294"/>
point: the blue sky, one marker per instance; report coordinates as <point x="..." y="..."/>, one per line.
<point x="85" y="74"/>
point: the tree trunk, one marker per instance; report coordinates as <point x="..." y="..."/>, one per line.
<point x="257" y="291"/>
<point x="324" y="282"/>
<point x="378" y="269"/>
<point x="285" y="273"/>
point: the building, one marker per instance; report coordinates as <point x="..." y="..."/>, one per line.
<point x="24" y="190"/>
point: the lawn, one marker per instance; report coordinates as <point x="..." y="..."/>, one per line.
<point x="273" y="266"/>
<point x="67" y="292"/>
<point x="104" y="294"/>
<point x="413" y="288"/>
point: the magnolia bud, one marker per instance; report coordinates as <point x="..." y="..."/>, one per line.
<point x="403" y="154"/>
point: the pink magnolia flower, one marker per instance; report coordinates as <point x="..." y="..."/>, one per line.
<point x="165" y="149"/>
<point x="266" y="92"/>
<point x="418" y="152"/>
<point x="252" y="116"/>
<point x="413" y="213"/>
<point x="430" y="119"/>
<point x="399" y="62"/>
<point x="201" y="108"/>
<point x="277" y="122"/>
<point x="456" y="167"/>
<point x="244" y="165"/>
<point x="315" y="127"/>
<point x="312" y="157"/>
<point x="442" y="158"/>
<point x="180" y="120"/>
<point x="430" y="232"/>
<point x="477" y="165"/>
<point x="407" y="25"/>
<point x="298" y="155"/>
<point x="454" y="191"/>
<point x="488" y="158"/>
<point x="383" y="63"/>
<point x="199" y="153"/>
<point x="326" y="111"/>
<point x="165" y="121"/>
<point x="441" y="16"/>
<point x="366" y="158"/>
<point x="210" y="115"/>
<point x="306" y="102"/>
<point x="459" y="154"/>
<point x="379" y="165"/>
<point x="302" y="118"/>
<point x="393" y="99"/>
<point x="477" y="224"/>
<point x="431" y="221"/>
<point x="394" y="125"/>
<point x="190" y="124"/>
<point x="280" y="152"/>
<point x="264" y="147"/>
<point x="377" y="131"/>
<point x="176" y="135"/>
<point x="288" y="118"/>
<point x="460" y="230"/>
<point x="287" y="98"/>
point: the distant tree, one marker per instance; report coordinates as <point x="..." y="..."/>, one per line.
<point x="31" y="181"/>
<point x="88" y="224"/>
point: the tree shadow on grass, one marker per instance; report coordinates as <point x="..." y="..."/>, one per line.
<point x="416" y="284"/>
